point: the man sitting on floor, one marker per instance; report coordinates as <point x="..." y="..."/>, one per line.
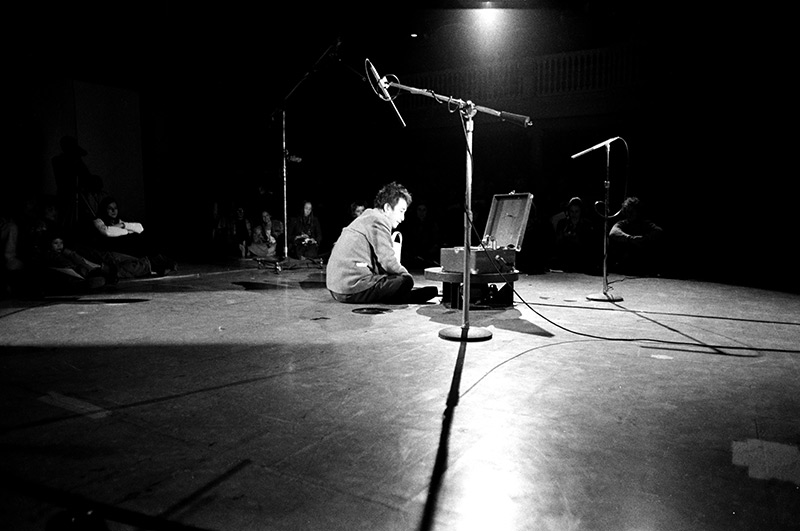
<point x="363" y="267"/>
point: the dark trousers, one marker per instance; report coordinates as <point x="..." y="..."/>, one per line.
<point x="389" y="289"/>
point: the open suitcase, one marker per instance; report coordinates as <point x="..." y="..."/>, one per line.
<point x="502" y="239"/>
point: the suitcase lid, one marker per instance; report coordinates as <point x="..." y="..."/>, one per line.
<point x="508" y="219"/>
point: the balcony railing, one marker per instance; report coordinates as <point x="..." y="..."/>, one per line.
<point x="566" y="74"/>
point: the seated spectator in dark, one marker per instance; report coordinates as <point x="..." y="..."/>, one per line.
<point x="421" y="239"/>
<point x="49" y="218"/>
<point x="122" y="245"/>
<point x="305" y="234"/>
<point x="242" y="231"/>
<point x="263" y="244"/>
<point x="114" y="234"/>
<point x="576" y="248"/>
<point x="265" y="222"/>
<point x="363" y="267"/>
<point x="65" y="271"/>
<point x="125" y="266"/>
<point x="357" y="208"/>
<point x="635" y="242"/>
<point x="11" y="266"/>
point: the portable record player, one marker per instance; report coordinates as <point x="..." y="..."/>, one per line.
<point x="502" y="239"/>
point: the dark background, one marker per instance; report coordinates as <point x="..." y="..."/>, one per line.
<point x="709" y="142"/>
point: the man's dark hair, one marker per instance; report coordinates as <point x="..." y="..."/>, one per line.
<point x="392" y="193"/>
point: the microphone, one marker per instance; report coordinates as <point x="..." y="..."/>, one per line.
<point x="382" y="84"/>
<point x="598" y="146"/>
<point x="379" y="81"/>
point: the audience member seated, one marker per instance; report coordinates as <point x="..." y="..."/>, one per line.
<point x="421" y="239"/>
<point x="121" y="244"/>
<point x="63" y="270"/>
<point x="114" y="234"/>
<point x="49" y="218"/>
<point x="11" y="266"/>
<point x="263" y="244"/>
<point x="357" y="208"/>
<point x="576" y="248"/>
<point x="305" y="234"/>
<point x="635" y="243"/>
<point x="242" y="231"/>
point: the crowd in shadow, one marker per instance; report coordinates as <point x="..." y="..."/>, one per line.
<point x="45" y="255"/>
<point x="248" y="230"/>
<point x="80" y="239"/>
<point x="73" y="242"/>
<point x="627" y="242"/>
<point x="571" y="240"/>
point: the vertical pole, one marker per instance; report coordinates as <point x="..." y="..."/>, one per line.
<point x="469" y="127"/>
<point x="285" y="211"/>
<point x="465" y="333"/>
<point x="605" y="219"/>
<point x="605" y="296"/>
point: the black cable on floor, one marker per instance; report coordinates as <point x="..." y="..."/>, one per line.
<point x="718" y="348"/>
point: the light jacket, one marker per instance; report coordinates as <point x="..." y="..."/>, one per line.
<point x="363" y="254"/>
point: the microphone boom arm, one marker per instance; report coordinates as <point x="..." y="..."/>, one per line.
<point x="518" y="119"/>
<point x="598" y="146"/>
<point x="380" y="86"/>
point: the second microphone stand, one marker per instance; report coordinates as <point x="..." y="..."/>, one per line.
<point x="605" y="296"/>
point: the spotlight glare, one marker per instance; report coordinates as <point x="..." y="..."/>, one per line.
<point x="487" y="17"/>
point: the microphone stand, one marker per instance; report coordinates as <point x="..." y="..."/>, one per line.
<point x="605" y="296"/>
<point x="468" y="111"/>
<point x="331" y="50"/>
<point x="285" y="205"/>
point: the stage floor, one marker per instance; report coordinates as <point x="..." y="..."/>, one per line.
<point x="236" y="398"/>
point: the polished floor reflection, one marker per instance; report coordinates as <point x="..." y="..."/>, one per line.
<point x="237" y="398"/>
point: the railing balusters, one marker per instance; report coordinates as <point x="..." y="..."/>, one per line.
<point x="551" y="75"/>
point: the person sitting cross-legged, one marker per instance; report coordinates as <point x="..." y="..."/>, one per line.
<point x="363" y="267"/>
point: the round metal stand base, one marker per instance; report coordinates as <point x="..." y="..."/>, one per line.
<point x="458" y="333"/>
